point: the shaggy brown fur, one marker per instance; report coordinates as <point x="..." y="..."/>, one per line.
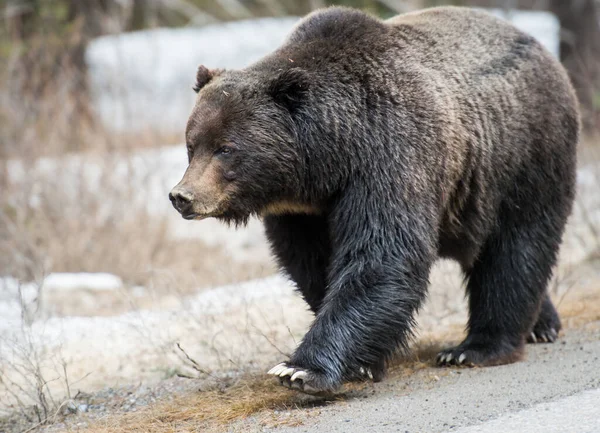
<point x="374" y="148"/>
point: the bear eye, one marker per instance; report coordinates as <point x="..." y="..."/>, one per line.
<point x="224" y="150"/>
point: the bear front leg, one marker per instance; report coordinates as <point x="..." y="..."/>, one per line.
<point x="302" y="248"/>
<point x="377" y="281"/>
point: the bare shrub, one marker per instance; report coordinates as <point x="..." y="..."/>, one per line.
<point x="34" y="378"/>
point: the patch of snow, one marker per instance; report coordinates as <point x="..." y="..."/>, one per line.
<point x="82" y="281"/>
<point x="209" y="302"/>
<point x="218" y="300"/>
<point x="16" y="298"/>
<point x="11" y="287"/>
<point x="223" y="324"/>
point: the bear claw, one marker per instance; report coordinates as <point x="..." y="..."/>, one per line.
<point x="299" y="375"/>
<point x="448" y="358"/>
<point x="287" y="372"/>
<point x="547" y="336"/>
<point x="295" y="378"/>
<point x="277" y="369"/>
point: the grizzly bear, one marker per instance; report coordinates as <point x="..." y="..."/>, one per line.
<point x="372" y="148"/>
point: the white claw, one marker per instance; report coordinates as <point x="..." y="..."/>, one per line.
<point x="299" y="375"/>
<point x="277" y="369"/>
<point x="448" y="357"/>
<point x="533" y="337"/>
<point x="462" y="358"/>
<point x="370" y="374"/>
<point x="280" y="369"/>
<point x="362" y="371"/>
<point x="287" y="372"/>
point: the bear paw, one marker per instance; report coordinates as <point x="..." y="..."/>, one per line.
<point x="301" y="380"/>
<point x="547" y="325"/>
<point x="548" y="335"/>
<point x="454" y="357"/>
<point x="472" y="354"/>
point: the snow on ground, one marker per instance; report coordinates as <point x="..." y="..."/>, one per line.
<point x="226" y="328"/>
<point x="155" y="69"/>
<point x="18" y="298"/>
<point x="82" y="281"/>
<point x="223" y="329"/>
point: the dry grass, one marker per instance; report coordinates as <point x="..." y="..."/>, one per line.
<point x="583" y="310"/>
<point x="214" y="410"/>
<point x="216" y="407"/>
<point x="209" y="410"/>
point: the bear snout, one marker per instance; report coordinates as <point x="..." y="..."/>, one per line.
<point x="182" y="200"/>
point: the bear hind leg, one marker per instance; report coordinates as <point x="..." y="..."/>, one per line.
<point x="506" y="287"/>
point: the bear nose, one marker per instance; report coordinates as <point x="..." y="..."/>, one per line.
<point x="181" y="199"/>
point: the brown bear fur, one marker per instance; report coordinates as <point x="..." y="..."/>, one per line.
<point x="372" y="148"/>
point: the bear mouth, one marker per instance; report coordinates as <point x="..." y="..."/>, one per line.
<point x="194" y="216"/>
<point x="199" y="216"/>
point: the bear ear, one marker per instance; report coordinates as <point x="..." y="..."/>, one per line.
<point x="290" y="88"/>
<point x="204" y="75"/>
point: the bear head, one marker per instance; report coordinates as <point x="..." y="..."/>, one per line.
<point x="242" y="143"/>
